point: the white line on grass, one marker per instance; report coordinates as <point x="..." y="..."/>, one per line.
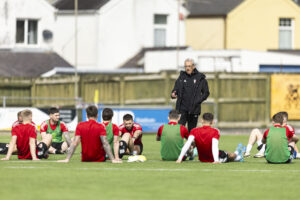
<point x="157" y="170"/>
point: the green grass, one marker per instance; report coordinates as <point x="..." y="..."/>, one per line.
<point x="154" y="179"/>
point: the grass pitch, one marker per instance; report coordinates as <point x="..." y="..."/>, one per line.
<point x="154" y="179"/>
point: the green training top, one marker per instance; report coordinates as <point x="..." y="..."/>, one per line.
<point x="277" y="145"/>
<point x="171" y="142"/>
<point x="110" y="135"/>
<point x="56" y="133"/>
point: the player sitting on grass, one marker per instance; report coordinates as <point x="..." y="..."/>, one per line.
<point x="171" y="136"/>
<point x="280" y="141"/>
<point x="92" y="135"/>
<point x="52" y="131"/>
<point x="112" y="131"/>
<point x="131" y="133"/>
<point x="24" y="137"/>
<point x="256" y="136"/>
<point x="207" y="143"/>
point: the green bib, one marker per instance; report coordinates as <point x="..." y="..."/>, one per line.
<point x="277" y="146"/>
<point x="110" y="135"/>
<point x="171" y="142"/>
<point x="56" y="133"/>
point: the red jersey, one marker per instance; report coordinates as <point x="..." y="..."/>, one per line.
<point x="44" y="126"/>
<point x="91" y="145"/>
<point x="290" y="128"/>
<point x="114" y="127"/>
<point x="136" y="127"/>
<point x="289" y="133"/>
<point x="17" y="123"/>
<point x="23" y="133"/>
<point x="183" y="130"/>
<point x="203" y="139"/>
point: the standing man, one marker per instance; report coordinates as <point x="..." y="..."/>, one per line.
<point x="190" y="90"/>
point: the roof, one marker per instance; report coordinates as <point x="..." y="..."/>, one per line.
<point x="137" y="60"/>
<point x="286" y="51"/>
<point x="29" y="64"/>
<point x="211" y="7"/>
<point x="82" y="4"/>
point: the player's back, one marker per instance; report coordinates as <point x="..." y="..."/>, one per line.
<point x="203" y="139"/>
<point x="91" y="145"/>
<point x="23" y="133"/>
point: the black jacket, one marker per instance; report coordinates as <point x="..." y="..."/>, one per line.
<point x="199" y="89"/>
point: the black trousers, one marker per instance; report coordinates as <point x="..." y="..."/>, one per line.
<point x="190" y="119"/>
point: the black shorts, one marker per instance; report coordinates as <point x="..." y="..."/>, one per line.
<point x="57" y="145"/>
<point x="141" y="147"/>
<point x="223" y="156"/>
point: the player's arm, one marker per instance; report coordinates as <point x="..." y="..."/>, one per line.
<point x="32" y="145"/>
<point x="68" y="138"/>
<point x="185" y="148"/>
<point x="215" y="150"/>
<point x="116" y="147"/>
<point x="107" y="149"/>
<point x="295" y="138"/>
<point x="136" y="134"/>
<point x="72" y="149"/>
<point x="159" y="132"/>
<point x="12" y="143"/>
<point x="264" y="139"/>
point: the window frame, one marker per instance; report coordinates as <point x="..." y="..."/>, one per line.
<point x="160" y="26"/>
<point x="287" y="28"/>
<point x="26" y="24"/>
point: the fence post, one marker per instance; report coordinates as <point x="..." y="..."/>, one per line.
<point x="216" y="99"/>
<point x="166" y="77"/>
<point x="268" y="94"/>
<point x="122" y="90"/>
<point x="4" y="102"/>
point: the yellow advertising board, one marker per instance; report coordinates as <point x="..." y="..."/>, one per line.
<point x="285" y="95"/>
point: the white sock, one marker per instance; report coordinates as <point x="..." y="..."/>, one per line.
<point x="249" y="147"/>
<point x="259" y="142"/>
<point x="237" y="158"/>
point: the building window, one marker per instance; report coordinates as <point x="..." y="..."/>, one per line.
<point x="286" y="33"/>
<point x="27" y="31"/>
<point x="160" y="30"/>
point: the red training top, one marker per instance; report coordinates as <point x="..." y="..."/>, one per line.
<point x="114" y="127"/>
<point x="91" y="145"/>
<point x="183" y="130"/>
<point x="135" y="127"/>
<point x="23" y="133"/>
<point x="44" y="127"/>
<point x="203" y="139"/>
<point x="289" y="133"/>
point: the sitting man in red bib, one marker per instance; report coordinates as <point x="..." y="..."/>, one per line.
<point x="131" y="133"/>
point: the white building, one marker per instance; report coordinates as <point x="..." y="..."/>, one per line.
<point x="110" y="32"/>
<point x="26" y="24"/>
<point x="222" y="61"/>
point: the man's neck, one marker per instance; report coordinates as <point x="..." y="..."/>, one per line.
<point x="173" y="120"/>
<point x="104" y="121"/>
<point x="52" y="122"/>
<point x="26" y="121"/>
<point x="92" y="118"/>
<point x="206" y="124"/>
<point x="277" y="124"/>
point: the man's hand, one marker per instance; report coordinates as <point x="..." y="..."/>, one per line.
<point x="63" y="161"/>
<point x="35" y="159"/>
<point x="173" y="95"/>
<point x="117" y="161"/>
<point x="178" y="161"/>
<point x="217" y="162"/>
<point x="5" y="158"/>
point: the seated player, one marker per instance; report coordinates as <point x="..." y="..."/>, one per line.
<point x="131" y="137"/>
<point x="207" y="143"/>
<point x="52" y="131"/>
<point x="256" y="136"/>
<point x="172" y="137"/>
<point x="112" y="131"/>
<point x="4" y="146"/>
<point x="92" y="135"/>
<point x="24" y="137"/>
<point x="280" y="141"/>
